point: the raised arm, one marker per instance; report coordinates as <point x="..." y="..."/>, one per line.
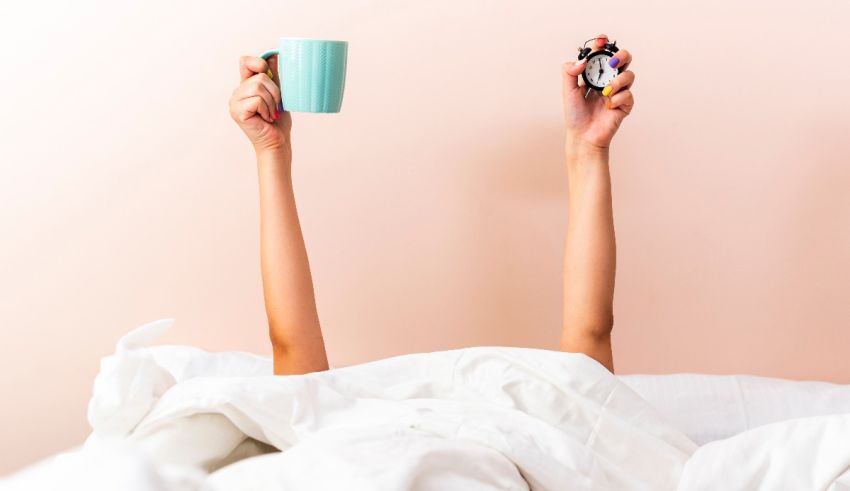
<point x="294" y="329"/>
<point x="590" y="252"/>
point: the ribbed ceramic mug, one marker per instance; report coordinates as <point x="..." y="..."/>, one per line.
<point x="312" y="73"/>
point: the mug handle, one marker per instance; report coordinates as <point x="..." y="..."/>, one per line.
<point x="266" y="55"/>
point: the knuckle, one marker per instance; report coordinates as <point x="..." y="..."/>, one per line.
<point x="256" y="82"/>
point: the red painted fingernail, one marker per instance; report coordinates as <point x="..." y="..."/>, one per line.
<point x="276" y="114"/>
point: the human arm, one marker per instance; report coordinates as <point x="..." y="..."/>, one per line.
<point x="590" y="251"/>
<point x="294" y="330"/>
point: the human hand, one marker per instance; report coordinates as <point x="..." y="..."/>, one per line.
<point x="594" y="119"/>
<point x="256" y="105"/>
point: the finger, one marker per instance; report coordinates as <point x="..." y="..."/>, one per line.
<point x="570" y="71"/>
<point x="245" y="109"/>
<point x="623" y="100"/>
<point x="623" y="81"/>
<point x="252" y="89"/>
<point x="273" y="90"/>
<point x="620" y="60"/>
<point x="599" y="42"/>
<point x="261" y="86"/>
<point x="261" y="107"/>
<point x="272" y="62"/>
<point x="251" y="65"/>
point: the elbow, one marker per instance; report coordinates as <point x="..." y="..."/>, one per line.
<point x="590" y="325"/>
<point x="278" y="331"/>
<point x="296" y="351"/>
<point x="279" y="339"/>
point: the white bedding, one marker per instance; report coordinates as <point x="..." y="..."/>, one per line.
<point x="177" y="418"/>
<point x="716" y="407"/>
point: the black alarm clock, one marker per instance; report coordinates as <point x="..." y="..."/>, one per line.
<point x="597" y="72"/>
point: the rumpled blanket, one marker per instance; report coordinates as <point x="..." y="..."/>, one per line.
<point x="178" y="418"/>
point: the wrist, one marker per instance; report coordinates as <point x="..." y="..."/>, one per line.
<point x="278" y="158"/>
<point x="281" y="147"/>
<point x="278" y="154"/>
<point x="577" y="146"/>
<point x="580" y="153"/>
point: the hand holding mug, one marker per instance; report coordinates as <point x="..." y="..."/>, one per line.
<point x="311" y="75"/>
<point x="256" y="105"/>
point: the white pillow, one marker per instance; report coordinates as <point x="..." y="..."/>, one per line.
<point x="714" y="407"/>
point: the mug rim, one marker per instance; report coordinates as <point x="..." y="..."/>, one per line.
<point x="313" y="39"/>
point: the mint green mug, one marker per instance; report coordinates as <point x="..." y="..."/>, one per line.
<point x="312" y="73"/>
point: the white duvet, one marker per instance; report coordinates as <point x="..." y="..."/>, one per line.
<point x="177" y="418"/>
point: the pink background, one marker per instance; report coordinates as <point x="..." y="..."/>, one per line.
<point x="434" y="205"/>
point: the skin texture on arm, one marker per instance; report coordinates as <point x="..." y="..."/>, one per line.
<point x="287" y="283"/>
<point x="590" y="252"/>
<point x="589" y="257"/>
<point x="294" y="328"/>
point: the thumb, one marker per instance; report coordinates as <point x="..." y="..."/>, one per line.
<point x="272" y="61"/>
<point x="571" y="71"/>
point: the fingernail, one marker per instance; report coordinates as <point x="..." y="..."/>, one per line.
<point x="606" y="91"/>
<point x="581" y="62"/>
<point x="609" y="104"/>
<point x="276" y="114"/>
<point x="280" y="106"/>
<point x="613" y="62"/>
<point x="270" y="74"/>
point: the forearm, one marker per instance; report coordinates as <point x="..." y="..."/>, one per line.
<point x="590" y="254"/>
<point x="287" y="283"/>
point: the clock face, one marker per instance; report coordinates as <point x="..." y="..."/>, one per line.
<point x="597" y="73"/>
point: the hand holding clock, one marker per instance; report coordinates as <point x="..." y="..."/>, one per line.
<point x="593" y="117"/>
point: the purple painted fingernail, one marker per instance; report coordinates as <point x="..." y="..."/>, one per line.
<point x="280" y="106"/>
<point x="613" y="62"/>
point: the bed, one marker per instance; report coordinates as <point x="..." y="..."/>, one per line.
<point x="179" y="418"/>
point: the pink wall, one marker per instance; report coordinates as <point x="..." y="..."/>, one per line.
<point x="434" y="205"/>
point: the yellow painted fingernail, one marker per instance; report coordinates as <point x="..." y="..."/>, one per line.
<point x="606" y="91"/>
<point x="270" y="74"/>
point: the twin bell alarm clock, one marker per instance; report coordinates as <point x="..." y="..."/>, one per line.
<point x="597" y="72"/>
